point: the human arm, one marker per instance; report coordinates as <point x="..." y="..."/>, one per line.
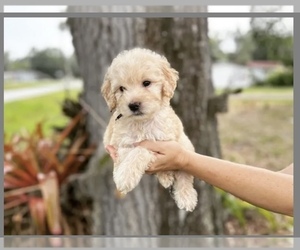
<point x="264" y="188"/>
<point x="288" y="170"/>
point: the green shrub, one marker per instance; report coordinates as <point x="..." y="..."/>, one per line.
<point x="282" y="78"/>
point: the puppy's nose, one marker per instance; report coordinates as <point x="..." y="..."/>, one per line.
<point x="134" y="106"/>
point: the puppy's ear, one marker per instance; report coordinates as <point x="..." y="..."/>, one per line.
<point x="171" y="78"/>
<point x="108" y="94"/>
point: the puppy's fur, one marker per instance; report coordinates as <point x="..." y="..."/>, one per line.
<point x="138" y="87"/>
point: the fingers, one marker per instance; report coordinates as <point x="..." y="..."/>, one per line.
<point x="150" y="172"/>
<point x="153" y="146"/>
<point x="150" y="145"/>
<point x="110" y="148"/>
<point x="112" y="152"/>
<point x="151" y="167"/>
<point x="157" y="165"/>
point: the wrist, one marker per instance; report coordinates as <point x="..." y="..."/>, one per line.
<point x="183" y="161"/>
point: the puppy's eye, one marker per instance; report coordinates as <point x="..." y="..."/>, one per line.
<point x="146" y="83"/>
<point x="122" y="89"/>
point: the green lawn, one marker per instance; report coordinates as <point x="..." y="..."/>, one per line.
<point x="267" y="90"/>
<point x="20" y="85"/>
<point x="25" y="114"/>
<point x="264" y="90"/>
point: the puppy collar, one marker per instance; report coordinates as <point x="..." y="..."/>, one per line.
<point x="119" y="116"/>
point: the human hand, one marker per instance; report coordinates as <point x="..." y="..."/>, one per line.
<point x="112" y="152"/>
<point x="170" y="155"/>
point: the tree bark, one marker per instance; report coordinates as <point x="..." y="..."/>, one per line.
<point x="149" y="208"/>
<point x="184" y="41"/>
<point x="97" y="41"/>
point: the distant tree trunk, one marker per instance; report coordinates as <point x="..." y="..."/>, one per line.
<point x="148" y="209"/>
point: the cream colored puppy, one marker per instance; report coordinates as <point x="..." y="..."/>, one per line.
<point x="138" y="87"/>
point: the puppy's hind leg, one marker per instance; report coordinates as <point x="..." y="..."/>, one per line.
<point x="185" y="195"/>
<point x="131" y="169"/>
<point x="165" y="178"/>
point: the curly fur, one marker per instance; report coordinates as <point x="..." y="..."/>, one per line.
<point x="154" y="120"/>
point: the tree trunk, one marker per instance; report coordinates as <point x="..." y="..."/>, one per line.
<point x="97" y="41"/>
<point x="149" y="209"/>
<point x="184" y="41"/>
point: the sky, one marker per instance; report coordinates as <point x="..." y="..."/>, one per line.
<point x="22" y="34"/>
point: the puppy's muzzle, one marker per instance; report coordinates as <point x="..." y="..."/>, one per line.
<point x="134" y="106"/>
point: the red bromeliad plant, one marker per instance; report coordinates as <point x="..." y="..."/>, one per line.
<point x="34" y="169"/>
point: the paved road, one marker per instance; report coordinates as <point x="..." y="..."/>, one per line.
<point x="26" y="93"/>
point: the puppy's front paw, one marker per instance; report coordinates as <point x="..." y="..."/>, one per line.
<point x="126" y="179"/>
<point x="166" y="178"/>
<point x="186" y="198"/>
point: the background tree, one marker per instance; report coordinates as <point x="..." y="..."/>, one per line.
<point x="148" y="209"/>
<point x="244" y="47"/>
<point x="18" y="64"/>
<point x="6" y="61"/>
<point x="267" y="39"/>
<point x="97" y="42"/>
<point x="217" y="53"/>
<point x="50" y="61"/>
<point x="271" y="41"/>
<point x="192" y="58"/>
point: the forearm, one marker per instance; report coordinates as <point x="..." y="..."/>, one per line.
<point x="260" y="187"/>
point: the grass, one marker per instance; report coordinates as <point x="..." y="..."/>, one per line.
<point x="263" y="132"/>
<point x="264" y="90"/>
<point x="269" y="90"/>
<point x="258" y="133"/>
<point x="23" y="115"/>
<point x="20" y="85"/>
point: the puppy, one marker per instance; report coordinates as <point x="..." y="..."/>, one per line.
<point x="138" y="87"/>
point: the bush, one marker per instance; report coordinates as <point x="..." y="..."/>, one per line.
<point x="282" y="78"/>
